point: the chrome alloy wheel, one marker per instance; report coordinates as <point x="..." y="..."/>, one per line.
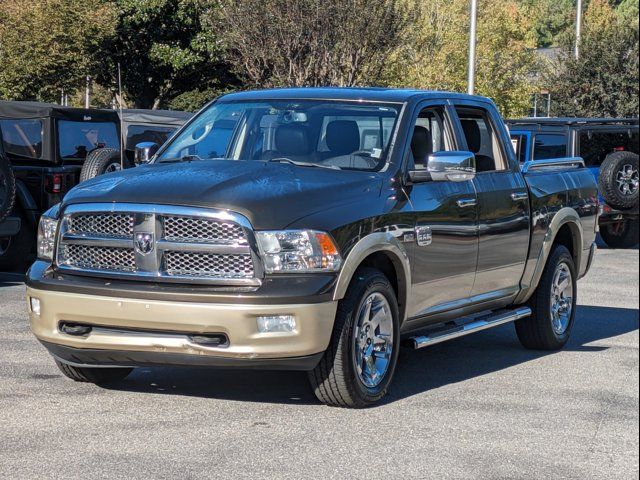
<point x="113" y="167"/>
<point x="627" y="180"/>
<point x="561" y="299"/>
<point x="373" y="340"/>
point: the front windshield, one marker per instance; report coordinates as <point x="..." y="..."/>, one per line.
<point x="77" y="139"/>
<point x="314" y="133"/>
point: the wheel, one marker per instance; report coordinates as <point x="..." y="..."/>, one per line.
<point x="623" y="234"/>
<point x="358" y="366"/>
<point x="99" y="376"/>
<point x="7" y="188"/>
<point x="101" y="161"/>
<point x="618" y="180"/>
<point x="553" y="305"/>
<point x="17" y="251"/>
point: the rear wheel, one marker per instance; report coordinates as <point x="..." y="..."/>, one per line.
<point x="99" y="376"/>
<point x="358" y="366"/>
<point x="101" y="161"/>
<point x="553" y="305"/>
<point x="622" y="234"/>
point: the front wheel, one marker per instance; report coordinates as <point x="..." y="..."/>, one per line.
<point x="358" y="366"/>
<point x="553" y="305"/>
<point x="99" y="376"/>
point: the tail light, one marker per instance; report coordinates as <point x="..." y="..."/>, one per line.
<point x="54" y="183"/>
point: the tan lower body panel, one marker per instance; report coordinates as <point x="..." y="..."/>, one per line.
<point x="151" y="319"/>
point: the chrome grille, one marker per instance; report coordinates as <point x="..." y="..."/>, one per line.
<point x="206" y="265"/>
<point x="159" y="243"/>
<point x="112" y="225"/>
<point x="98" y="258"/>
<point x="190" y="229"/>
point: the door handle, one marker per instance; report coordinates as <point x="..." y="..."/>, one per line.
<point x="466" y="202"/>
<point x="519" y="196"/>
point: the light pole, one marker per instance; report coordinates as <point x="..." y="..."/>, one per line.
<point x="578" y="29"/>
<point x="471" y="80"/>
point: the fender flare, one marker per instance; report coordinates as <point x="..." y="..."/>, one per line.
<point x="531" y="278"/>
<point x="378" y="242"/>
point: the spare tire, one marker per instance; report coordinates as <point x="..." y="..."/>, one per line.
<point x="101" y="161"/>
<point x="7" y="188"/>
<point x="619" y="180"/>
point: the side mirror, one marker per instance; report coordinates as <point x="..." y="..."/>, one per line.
<point x="145" y="151"/>
<point x="447" y="167"/>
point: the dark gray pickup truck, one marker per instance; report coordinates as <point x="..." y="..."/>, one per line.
<point x="318" y="230"/>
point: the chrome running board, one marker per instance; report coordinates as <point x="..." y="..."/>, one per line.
<point x="477" y="325"/>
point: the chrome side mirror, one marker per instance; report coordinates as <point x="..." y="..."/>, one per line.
<point x="452" y="166"/>
<point x="145" y="151"/>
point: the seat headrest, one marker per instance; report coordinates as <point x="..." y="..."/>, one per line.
<point x="343" y="137"/>
<point x="421" y="145"/>
<point x="472" y="134"/>
<point x="292" y="139"/>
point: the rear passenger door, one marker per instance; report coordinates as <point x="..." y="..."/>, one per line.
<point x="503" y="203"/>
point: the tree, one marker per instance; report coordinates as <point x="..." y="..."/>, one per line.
<point x="603" y="82"/>
<point x="164" y="51"/>
<point x="309" y="42"/>
<point x="50" y="45"/>
<point x="434" y="51"/>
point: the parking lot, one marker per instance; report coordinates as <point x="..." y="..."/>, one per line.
<point x="476" y="407"/>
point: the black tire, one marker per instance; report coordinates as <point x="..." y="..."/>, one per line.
<point x="624" y="234"/>
<point x="99" y="376"/>
<point x="101" y="161"/>
<point x="335" y="380"/>
<point x="537" y="332"/>
<point x="18" y="251"/>
<point x="7" y="188"/>
<point x="613" y="170"/>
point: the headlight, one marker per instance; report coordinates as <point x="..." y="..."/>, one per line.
<point x="298" y="251"/>
<point x="47" y="230"/>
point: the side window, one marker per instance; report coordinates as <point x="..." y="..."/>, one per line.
<point x="431" y="134"/>
<point x="22" y="137"/>
<point x="147" y="133"/>
<point x="520" y="144"/>
<point x="482" y="139"/>
<point x="548" y="146"/>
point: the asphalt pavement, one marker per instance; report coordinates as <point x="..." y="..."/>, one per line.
<point x="476" y="407"/>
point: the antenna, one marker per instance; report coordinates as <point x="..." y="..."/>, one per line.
<point x="122" y="143"/>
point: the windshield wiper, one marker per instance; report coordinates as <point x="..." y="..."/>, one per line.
<point x="303" y="164"/>
<point x="186" y="158"/>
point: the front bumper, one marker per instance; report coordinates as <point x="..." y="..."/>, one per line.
<point x="134" y="332"/>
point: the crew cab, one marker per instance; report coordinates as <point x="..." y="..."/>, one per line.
<point x="318" y="230"/>
<point x="609" y="147"/>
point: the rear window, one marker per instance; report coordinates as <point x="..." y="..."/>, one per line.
<point x="76" y="139"/>
<point x="22" y="137"/>
<point x="145" y="133"/>
<point x="547" y="146"/>
<point x="595" y="146"/>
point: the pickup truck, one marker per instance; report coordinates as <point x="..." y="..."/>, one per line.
<point x="609" y="147"/>
<point x="317" y="230"/>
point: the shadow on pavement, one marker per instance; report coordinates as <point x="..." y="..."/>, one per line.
<point x="11" y="279"/>
<point x="418" y="371"/>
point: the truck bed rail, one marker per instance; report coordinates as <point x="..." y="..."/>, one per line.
<point x="553" y="163"/>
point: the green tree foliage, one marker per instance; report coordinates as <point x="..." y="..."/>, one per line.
<point x="603" y="82"/>
<point x="164" y="51"/>
<point x="434" y="51"/>
<point x="551" y="19"/>
<point x="50" y="45"/>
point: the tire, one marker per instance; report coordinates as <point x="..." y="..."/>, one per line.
<point x="7" y="188"/>
<point x="539" y="331"/>
<point x="101" y="161"/>
<point x="99" y="376"/>
<point x="16" y="252"/>
<point x="618" y="180"/>
<point x="624" y="234"/>
<point x="336" y="380"/>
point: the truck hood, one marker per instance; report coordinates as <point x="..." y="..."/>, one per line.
<point x="270" y="195"/>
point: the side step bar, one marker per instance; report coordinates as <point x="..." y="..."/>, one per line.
<point x="481" y="323"/>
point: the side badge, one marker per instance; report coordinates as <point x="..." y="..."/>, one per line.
<point x="424" y="236"/>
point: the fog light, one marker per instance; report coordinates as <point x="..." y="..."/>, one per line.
<point x="277" y="324"/>
<point x="35" y="305"/>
